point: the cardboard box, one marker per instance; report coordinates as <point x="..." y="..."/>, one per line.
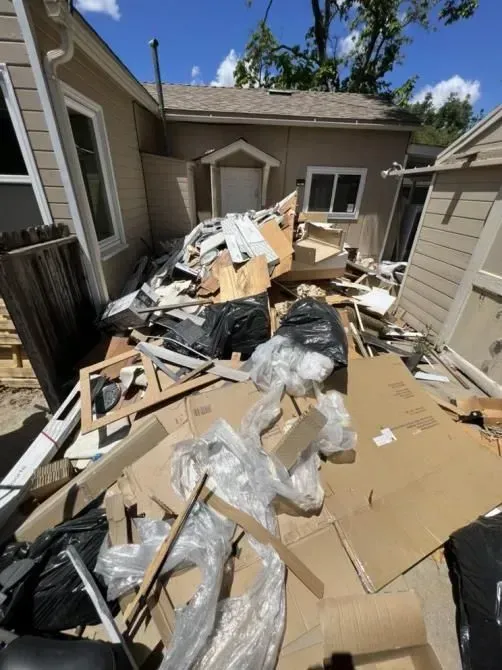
<point x="417" y="476"/>
<point x="318" y="244"/>
<point x="231" y="403"/>
<point x="380" y="631"/>
<point x="331" y="268"/>
<point x="124" y="312"/>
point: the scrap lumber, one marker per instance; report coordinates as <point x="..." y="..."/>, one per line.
<point x="250" y="279"/>
<point x="298" y="438"/>
<point x="218" y="369"/>
<point x="206" y="365"/>
<point x="40" y="451"/>
<point x="358" y="340"/>
<point x="91" y="482"/>
<point x="153" y="570"/>
<point x="150" y="399"/>
<point x="259" y="532"/>
<point x="281" y="242"/>
<point x="175" y="305"/>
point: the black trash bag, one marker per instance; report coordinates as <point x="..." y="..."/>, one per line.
<point x="237" y="325"/>
<point x="317" y="327"/>
<point x="474" y="558"/>
<point x="52" y="596"/>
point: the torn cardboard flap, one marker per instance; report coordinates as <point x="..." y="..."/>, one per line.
<point x="398" y="502"/>
<point x="297" y="439"/>
<point x="374" y="628"/>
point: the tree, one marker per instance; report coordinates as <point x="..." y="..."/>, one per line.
<point x="379" y="31"/>
<point x="443" y="125"/>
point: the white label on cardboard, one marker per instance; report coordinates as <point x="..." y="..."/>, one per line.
<point x="386" y="437"/>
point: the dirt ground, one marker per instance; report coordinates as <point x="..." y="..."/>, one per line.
<point x="23" y="414"/>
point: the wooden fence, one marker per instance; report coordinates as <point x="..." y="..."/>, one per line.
<point x="46" y="295"/>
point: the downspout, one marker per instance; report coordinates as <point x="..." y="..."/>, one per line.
<point x="58" y="11"/>
<point x="154" y="45"/>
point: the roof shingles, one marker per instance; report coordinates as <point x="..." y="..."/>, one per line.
<point x="259" y="102"/>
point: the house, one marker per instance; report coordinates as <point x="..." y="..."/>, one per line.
<point x="86" y="147"/>
<point x="453" y="283"/>
<point x="251" y="146"/>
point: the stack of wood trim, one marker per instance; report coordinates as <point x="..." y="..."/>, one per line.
<point x="15" y="366"/>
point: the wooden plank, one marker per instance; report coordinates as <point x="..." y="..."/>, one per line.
<point x="117" y="519"/>
<point x="250" y="279"/>
<point x="197" y="371"/>
<point x="19" y="382"/>
<point x="254" y="528"/>
<point x="16" y="373"/>
<point x="172" y="392"/>
<point x="280" y="243"/>
<point x="153" y="570"/>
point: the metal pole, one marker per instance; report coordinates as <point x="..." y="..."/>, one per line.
<point x="154" y="45"/>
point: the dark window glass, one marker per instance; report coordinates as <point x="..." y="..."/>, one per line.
<point x="321" y="189"/>
<point x="85" y="141"/>
<point x="11" y="158"/>
<point x="346" y="193"/>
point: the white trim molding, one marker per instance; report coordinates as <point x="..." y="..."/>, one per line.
<point x="336" y="171"/>
<point x="234" y="147"/>
<point x="78" y="102"/>
<point x="33" y="176"/>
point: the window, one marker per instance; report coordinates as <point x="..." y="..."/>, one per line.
<point x="91" y="144"/>
<point x="22" y="199"/>
<point x="334" y="190"/>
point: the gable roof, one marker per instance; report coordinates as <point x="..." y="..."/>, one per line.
<point x="477" y="129"/>
<point x="268" y="106"/>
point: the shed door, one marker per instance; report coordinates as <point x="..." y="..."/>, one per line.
<point x="240" y="189"/>
<point x="477" y="333"/>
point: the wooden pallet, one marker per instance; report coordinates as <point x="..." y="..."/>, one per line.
<point x="15" y="367"/>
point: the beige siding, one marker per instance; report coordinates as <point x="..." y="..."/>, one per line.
<point x="167" y="187"/>
<point x="297" y="148"/>
<point x="490" y="140"/>
<point x="85" y="76"/>
<point x="149" y="129"/>
<point x="452" y="224"/>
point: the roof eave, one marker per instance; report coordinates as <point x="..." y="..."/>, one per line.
<point x="208" y="117"/>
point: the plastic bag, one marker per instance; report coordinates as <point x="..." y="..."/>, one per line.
<point x="316" y="326"/>
<point x="281" y="362"/>
<point x="52" y="597"/>
<point x="336" y="434"/>
<point x="236" y="326"/>
<point x="474" y="557"/>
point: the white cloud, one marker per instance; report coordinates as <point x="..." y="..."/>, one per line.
<point x="109" y="7"/>
<point x="195" y="75"/>
<point x="442" y="90"/>
<point x="346" y="45"/>
<point x="225" y="71"/>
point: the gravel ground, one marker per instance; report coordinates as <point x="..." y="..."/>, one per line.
<point x="23" y="414"/>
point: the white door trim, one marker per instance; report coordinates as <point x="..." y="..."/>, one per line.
<point x="97" y="283"/>
<point x="33" y="176"/>
<point x="480" y="254"/>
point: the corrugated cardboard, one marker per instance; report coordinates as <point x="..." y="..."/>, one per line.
<point x="318" y="244"/>
<point x="381" y="631"/>
<point x="490" y="408"/>
<point x="231" y="403"/>
<point x="401" y="500"/>
<point x="328" y="269"/>
<point x="90" y="483"/>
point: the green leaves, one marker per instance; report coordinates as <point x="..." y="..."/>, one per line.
<point x="318" y="64"/>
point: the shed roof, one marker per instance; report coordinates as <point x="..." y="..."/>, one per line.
<point x="269" y="104"/>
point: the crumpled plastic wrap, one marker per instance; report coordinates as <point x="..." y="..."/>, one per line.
<point x="242" y="633"/>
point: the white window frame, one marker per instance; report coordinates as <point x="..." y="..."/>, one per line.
<point x="33" y="176"/>
<point x="80" y="103"/>
<point x="336" y="171"/>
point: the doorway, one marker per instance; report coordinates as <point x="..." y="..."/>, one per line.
<point x="240" y="189"/>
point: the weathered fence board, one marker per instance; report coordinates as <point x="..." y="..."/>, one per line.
<point x="46" y="294"/>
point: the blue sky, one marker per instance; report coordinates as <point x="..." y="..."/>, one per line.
<point x="200" y="39"/>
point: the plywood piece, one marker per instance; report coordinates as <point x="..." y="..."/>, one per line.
<point x="250" y="279"/>
<point x="280" y="243"/>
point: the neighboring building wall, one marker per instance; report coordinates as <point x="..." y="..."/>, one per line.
<point x="118" y="107"/>
<point x="297" y="148"/>
<point x="169" y="196"/>
<point x="490" y="140"/>
<point x="452" y="223"/>
<point x="149" y="131"/>
<point x="13" y="53"/>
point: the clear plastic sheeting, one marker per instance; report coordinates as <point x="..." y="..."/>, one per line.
<point x="279" y="361"/>
<point x="245" y="632"/>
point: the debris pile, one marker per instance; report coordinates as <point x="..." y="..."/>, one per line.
<point x="251" y="455"/>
